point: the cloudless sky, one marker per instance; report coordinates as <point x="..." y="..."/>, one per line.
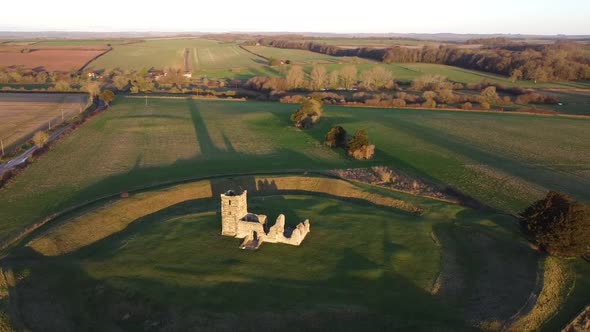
<point x="365" y="16"/>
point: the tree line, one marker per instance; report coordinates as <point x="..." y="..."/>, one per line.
<point x="560" y="61"/>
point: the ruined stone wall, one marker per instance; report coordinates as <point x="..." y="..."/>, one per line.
<point x="245" y="228"/>
<point x="276" y="234"/>
<point x="233" y="208"/>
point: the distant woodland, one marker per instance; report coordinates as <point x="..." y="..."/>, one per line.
<point x="562" y="61"/>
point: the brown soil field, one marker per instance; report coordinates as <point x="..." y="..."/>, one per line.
<point x="49" y="58"/>
<point x="23" y="114"/>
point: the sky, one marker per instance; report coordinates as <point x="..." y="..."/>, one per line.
<point x="547" y="17"/>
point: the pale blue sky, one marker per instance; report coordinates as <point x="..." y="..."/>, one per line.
<point x="368" y="16"/>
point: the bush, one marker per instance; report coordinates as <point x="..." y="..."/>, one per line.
<point x="359" y="147"/>
<point x="467" y="106"/>
<point x="429" y="104"/>
<point x="558" y="225"/>
<point x="40" y="139"/>
<point x="336" y="137"/>
<point x="308" y="114"/>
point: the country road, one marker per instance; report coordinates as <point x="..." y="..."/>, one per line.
<point x="23" y="157"/>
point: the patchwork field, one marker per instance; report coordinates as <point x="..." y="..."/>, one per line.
<point x="23" y="114"/>
<point x="161" y="53"/>
<point x="49" y="58"/>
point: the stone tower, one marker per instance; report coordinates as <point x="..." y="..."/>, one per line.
<point x="234" y="207"/>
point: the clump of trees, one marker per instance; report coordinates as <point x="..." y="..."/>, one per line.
<point x="336" y="137"/>
<point x="565" y="60"/>
<point x="558" y="225"/>
<point x="308" y="114"/>
<point x="359" y="147"/>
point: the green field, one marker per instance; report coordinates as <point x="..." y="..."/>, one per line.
<point x="346" y="271"/>
<point x="161" y="53"/>
<point x="301" y="56"/>
<point x="504" y="160"/>
<point x="215" y="59"/>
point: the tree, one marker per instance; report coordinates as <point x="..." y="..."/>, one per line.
<point x="107" y="96"/>
<point x="334" y="79"/>
<point x="489" y="95"/>
<point x="120" y="82"/>
<point x="382" y="78"/>
<point x="295" y="78"/>
<point x="309" y="113"/>
<point x="348" y="76"/>
<point x="359" y="146"/>
<point x="515" y="75"/>
<point x="62" y="86"/>
<point x="429" y="99"/>
<point x="358" y="140"/>
<point x="93" y="89"/>
<point x="40" y="139"/>
<point x="431" y="82"/>
<point x="558" y="225"/>
<point x="336" y="137"/>
<point x="319" y="77"/>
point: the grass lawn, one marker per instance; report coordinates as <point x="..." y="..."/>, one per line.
<point x="361" y="266"/>
<point x="504" y="160"/>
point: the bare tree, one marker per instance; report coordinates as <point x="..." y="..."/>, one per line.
<point x="348" y="76"/>
<point x="319" y="77"/>
<point x="295" y="77"/>
<point x="93" y="89"/>
<point x="334" y="79"/>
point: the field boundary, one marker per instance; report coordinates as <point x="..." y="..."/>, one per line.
<point x="252" y="52"/>
<point x="96" y="57"/>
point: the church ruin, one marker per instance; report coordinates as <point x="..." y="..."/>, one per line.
<point x="236" y="221"/>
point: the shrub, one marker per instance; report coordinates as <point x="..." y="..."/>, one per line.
<point x="558" y="225"/>
<point x="308" y="114"/>
<point x="336" y="137"/>
<point x="359" y="147"/>
<point x="467" y="106"/>
<point x="429" y="103"/>
<point x="40" y="139"/>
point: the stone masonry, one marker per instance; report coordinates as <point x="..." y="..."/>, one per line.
<point x="236" y="221"/>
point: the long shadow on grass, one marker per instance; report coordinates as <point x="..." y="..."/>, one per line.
<point x="485" y="272"/>
<point x="343" y="298"/>
<point x="542" y="176"/>
<point x="203" y="137"/>
<point x="60" y="294"/>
